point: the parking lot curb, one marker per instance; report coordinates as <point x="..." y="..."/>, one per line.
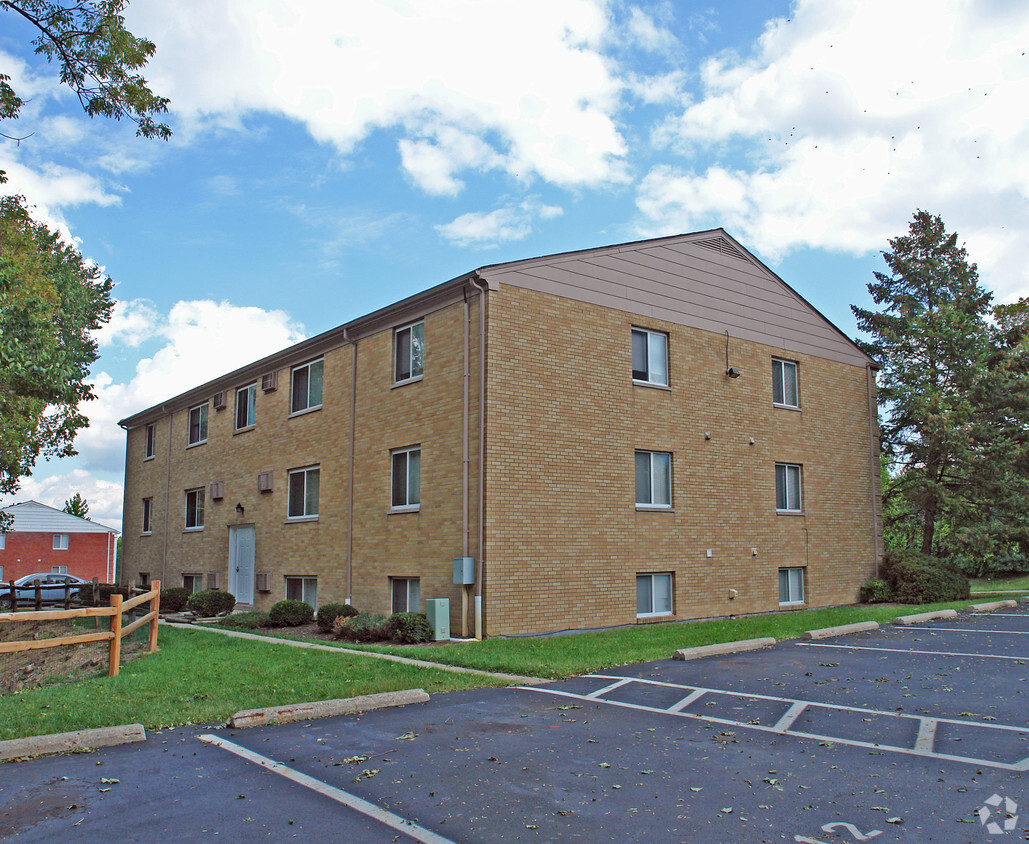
<point x="842" y="630"/>
<point x="723" y="648"/>
<point x="77" y="740"/>
<point x="993" y="605"/>
<point x="918" y="618"/>
<point x="325" y="708"/>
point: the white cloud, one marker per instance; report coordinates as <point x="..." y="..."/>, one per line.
<point x="103" y="497"/>
<point x="527" y="79"/>
<point x="488" y="229"/>
<point x="200" y="340"/>
<point x="849" y="125"/>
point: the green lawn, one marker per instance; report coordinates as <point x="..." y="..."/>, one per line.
<point x="201" y="678"/>
<point x="994" y="584"/>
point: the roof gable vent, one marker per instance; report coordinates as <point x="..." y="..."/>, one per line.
<point x="723" y="247"/>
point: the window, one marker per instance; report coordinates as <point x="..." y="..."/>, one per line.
<point x="653" y="594"/>
<point x="791" y="586"/>
<point x="408" y="352"/>
<point x="306" y="387"/>
<point x="653" y="479"/>
<point x="148" y="514"/>
<point x="195" y="509"/>
<point x="144" y="579"/>
<point x="303" y="493"/>
<point x="784" y="383"/>
<point x="193" y="582"/>
<point x="3" y="541"/>
<point x="302" y="589"/>
<point x="58" y="569"/>
<point x="246" y="406"/>
<point x="649" y="357"/>
<point x="787" y="488"/>
<point x="406" y="594"/>
<point x="198" y="425"/>
<point x="407" y="478"/>
<point x="60" y="542"/>
<point x="151" y="440"/>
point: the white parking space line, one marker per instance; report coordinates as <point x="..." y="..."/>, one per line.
<point x="922" y="746"/>
<point x="916" y="629"/>
<point x="370" y="810"/>
<point x="686" y="701"/>
<point x="906" y="651"/>
<point x="607" y="689"/>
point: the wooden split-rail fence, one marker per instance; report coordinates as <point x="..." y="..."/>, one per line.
<point x="118" y="629"/>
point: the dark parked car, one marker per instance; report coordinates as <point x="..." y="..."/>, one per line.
<point x="52" y="589"/>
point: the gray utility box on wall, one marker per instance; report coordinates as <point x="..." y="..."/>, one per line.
<point x="464" y="571"/>
<point x="437" y="611"/>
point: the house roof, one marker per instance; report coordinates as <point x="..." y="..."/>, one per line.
<point x="33" y="517"/>
<point x="703" y="280"/>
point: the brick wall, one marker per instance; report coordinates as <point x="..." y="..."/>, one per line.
<point x="564" y="538"/>
<point x="87" y="555"/>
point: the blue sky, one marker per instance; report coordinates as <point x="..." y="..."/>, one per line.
<point x="330" y="158"/>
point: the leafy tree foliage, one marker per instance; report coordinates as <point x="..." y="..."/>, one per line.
<point x="51" y="299"/>
<point x="77" y="506"/>
<point x="954" y="404"/>
<point x="98" y="59"/>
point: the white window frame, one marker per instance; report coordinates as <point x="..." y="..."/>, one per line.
<point x="654" y="340"/>
<point x="651" y="493"/>
<point x="201" y="411"/>
<point x="148" y="516"/>
<point x="781" y="383"/>
<point x="411" y="499"/>
<point x="785" y="503"/>
<point x="412" y="366"/>
<point x="197" y="509"/>
<point x="150" y="441"/>
<point x="61" y="542"/>
<point x="302" y="587"/>
<point x="58" y="569"/>
<point x="793" y="579"/>
<point x="3" y="541"/>
<point x="310" y="477"/>
<point x="311" y="367"/>
<point x="652" y="577"/>
<point x="249" y="395"/>
<point x="412" y="593"/>
<point x="194" y="582"/>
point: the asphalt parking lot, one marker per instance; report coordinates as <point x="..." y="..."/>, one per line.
<point x="904" y="734"/>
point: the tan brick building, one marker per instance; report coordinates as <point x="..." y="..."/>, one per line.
<point x="649" y="431"/>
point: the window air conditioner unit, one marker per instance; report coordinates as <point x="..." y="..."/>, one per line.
<point x="214" y="580"/>
<point x="217" y="490"/>
<point x="219" y="401"/>
<point x="270" y="381"/>
<point x="265" y="481"/>
<point x="262" y="580"/>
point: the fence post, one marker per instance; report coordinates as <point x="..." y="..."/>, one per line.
<point x="155" y="608"/>
<point x="39" y="594"/>
<point x="114" y="659"/>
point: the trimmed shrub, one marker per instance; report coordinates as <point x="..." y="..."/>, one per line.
<point x="250" y="620"/>
<point x="173" y="599"/>
<point x="290" y="613"/>
<point x="875" y="591"/>
<point x="408" y="628"/>
<point x="210" y="602"/>
<point x="328" y="613"/>
<point x="915" y="578"/>
<point x="363" y="627"/>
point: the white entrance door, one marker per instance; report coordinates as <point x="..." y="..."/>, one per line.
<point x="241" y="563"/>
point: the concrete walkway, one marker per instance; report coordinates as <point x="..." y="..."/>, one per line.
<point x="512" y="679"/>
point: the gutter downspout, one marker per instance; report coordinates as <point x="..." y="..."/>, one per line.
<point x="167" y="503"/>
<point x="350" y="503"/>
<point x="482" y="286"/>
<point x="874" y="453"/>
<point x="465" y="459"/>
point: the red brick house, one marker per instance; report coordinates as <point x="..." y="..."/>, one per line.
<point x="42" y="539"/>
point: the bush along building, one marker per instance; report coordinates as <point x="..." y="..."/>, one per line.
<point x="642" y="432"/>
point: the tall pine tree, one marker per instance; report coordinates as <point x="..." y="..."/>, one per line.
<point x="933" y="342"/>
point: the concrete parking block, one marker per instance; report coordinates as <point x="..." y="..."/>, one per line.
<point x="925" y="616"/>
<point x="842" y="630"/>
<point x="723" y="648"/>
<point x="993" y="605"/>
<point x="77" y="740"/>
<point x="325" y="708"/>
